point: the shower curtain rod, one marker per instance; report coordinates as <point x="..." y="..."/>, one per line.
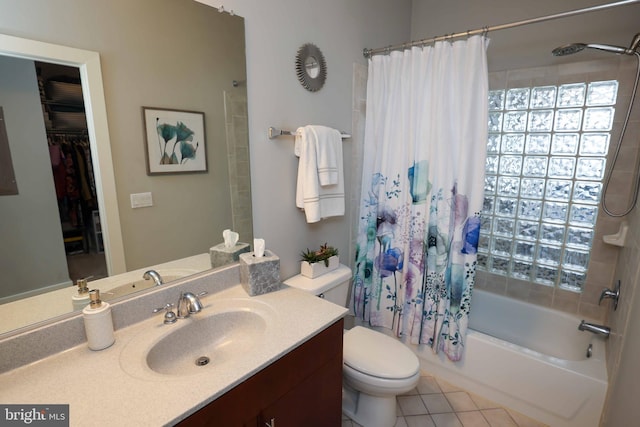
<point x="370" y="52"/>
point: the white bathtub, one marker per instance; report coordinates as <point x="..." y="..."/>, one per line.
<point x="530" y="359"/>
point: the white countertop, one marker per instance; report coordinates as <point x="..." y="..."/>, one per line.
<point x="37" y="308"/>
<point x="101" y="393"/>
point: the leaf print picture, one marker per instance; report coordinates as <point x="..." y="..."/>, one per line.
<point x="180" y="134"/>
<point x="174" y="141"/>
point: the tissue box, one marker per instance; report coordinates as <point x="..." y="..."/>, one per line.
<point x="260" y="275"/>
<point x="221" y="255"/>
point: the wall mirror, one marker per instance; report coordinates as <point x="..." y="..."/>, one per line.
<point x="311" y="67"/>
<point x="219" y="199"/>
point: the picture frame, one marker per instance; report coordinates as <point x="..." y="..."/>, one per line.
<point x="174" y="141"/>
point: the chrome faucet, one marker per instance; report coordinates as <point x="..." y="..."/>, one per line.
<point x="596" y="329"/>
<point x="613" y="294"/>
<point x="169" y="315"/>
<point x="188" y="304"/>
<point x="152" y="274"/>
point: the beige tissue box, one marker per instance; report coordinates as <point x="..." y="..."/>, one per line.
<point x="260" y="275"/>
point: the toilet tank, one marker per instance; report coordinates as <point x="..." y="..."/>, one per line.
<point x="332" y="286"/>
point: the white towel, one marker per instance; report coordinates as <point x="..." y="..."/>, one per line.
<point x="320" y="186"/>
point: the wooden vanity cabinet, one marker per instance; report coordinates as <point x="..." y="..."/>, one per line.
<point x="303" y="388"/>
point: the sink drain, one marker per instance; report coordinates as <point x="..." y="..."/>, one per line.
<point x="202" y="361"/>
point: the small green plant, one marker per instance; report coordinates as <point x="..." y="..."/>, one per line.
<point x="323" y="254"/>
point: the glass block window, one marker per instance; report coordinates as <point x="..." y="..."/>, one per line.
<point x="546" y="158"/>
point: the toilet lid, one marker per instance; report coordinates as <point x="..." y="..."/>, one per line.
<point x="378" y="355"/>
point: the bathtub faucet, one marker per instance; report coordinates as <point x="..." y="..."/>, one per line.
<point x="596" y="329"/>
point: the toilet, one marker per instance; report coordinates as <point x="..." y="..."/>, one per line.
<point x="376" y="368"/>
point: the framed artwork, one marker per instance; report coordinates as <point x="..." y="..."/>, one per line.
<point x="174" y="141"/>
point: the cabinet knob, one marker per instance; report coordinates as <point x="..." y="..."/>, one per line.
<point x="271" y="423"/>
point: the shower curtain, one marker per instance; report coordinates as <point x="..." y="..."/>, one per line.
<point x="422" y="191"/>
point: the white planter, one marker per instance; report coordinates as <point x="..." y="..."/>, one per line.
<point x="318" y="268"/>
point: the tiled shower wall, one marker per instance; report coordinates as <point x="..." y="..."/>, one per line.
<point x="237" y="130"/>
<point x="358" y="112"/>
<point x="628" y="272"/>
<point x="602" y="265"/>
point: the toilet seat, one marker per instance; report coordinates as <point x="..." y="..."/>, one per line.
<point x="377" y="386"/>
<point x="377" y="355"/>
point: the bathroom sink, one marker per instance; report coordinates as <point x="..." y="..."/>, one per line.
<point x="129" y="288"/>
<point x="214" y="340"/>
<point x="225" y="332"/>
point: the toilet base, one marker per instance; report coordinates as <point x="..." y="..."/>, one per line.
<point x="368" y="410"/>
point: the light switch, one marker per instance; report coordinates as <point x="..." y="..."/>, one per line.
<point x="141" y="200"/>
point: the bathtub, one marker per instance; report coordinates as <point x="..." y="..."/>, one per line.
<point x="528" y="358"/>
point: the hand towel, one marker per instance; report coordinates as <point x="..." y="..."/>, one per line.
<point x="328" y="142"/>
<point x="320" y="185"/>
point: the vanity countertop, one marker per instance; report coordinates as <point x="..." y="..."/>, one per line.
<point x="27" y="311"/>
<point x="100" y="392"/>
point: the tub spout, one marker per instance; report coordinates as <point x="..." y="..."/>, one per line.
<point x="596" y="329"/>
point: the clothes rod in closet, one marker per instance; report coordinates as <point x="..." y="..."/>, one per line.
<point x="275" y="133"/>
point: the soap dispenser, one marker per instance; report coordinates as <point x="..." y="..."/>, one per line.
<point x="81" y="299"/>
<point x="98" y="323"/>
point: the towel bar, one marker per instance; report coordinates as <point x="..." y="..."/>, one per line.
<point x="275" y="132"/>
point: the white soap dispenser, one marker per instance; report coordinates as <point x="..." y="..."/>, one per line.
<point x="81" y="299"/>
<point x="98" y="323"/>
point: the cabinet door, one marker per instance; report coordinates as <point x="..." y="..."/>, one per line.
<point x="314" y="402"/>
<point x="302" y="389"/>
<point x="229" y="410"/>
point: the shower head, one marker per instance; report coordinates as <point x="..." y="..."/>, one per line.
<point x="577" y="47"/>
<point x="570" y="49"/>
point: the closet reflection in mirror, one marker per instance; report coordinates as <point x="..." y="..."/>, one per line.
<point x="74" y="182"/>
<point x="189" y="212"/>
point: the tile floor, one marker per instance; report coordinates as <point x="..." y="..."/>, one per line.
<point x="436" y="403"/>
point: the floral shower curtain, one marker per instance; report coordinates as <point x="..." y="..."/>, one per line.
<point x="422" y="191"/>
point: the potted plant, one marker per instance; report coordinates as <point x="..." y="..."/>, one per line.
<point x="316" y="263"/>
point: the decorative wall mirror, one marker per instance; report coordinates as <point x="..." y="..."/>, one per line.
<point x="311" y="67"/>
